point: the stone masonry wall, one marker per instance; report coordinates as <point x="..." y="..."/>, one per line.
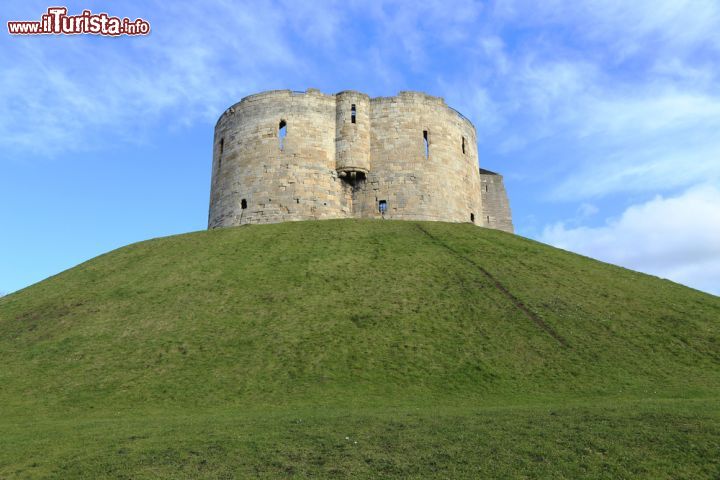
<point x="496" y="208"/>
<point x="443" y="184"/>
<point x="295" y="182"/>
<point x="329" y="166"/>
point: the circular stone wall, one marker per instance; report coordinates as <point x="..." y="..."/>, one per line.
<point x="284" y="156"/>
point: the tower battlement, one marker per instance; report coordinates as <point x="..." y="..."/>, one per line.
<point x="283" y="156"/>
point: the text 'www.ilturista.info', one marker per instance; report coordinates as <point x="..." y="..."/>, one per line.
<point x="57" y="22"/>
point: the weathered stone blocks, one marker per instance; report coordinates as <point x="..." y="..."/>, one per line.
<point x="283" y="156"/>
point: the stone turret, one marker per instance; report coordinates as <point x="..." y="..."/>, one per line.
<point x="352" y="133"/>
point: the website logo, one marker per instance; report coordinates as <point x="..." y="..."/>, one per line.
<point x="57" y="22"/>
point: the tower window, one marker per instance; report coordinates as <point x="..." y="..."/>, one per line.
<point x="463" y="145"/>
<point x="222" y="147"/>
<point x="382" y="206"/>
<point x="352" y="113"/>
<point x="488" y="219"/>
<point x="472" y="217"/>
<point x="282" y="133"/>
<point x="427" y="143"/>
<point x="486" y="187"/>
<point x="243" y="204"/>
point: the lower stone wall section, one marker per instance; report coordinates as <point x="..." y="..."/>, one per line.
<point x="496" y="207"/>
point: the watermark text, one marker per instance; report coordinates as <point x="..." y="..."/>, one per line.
<point x="57" y="22"/>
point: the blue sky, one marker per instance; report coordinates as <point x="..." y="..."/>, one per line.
<point x="603" y="116"/>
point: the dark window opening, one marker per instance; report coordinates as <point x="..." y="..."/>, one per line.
<point x="354" y="179"/>
<point x="488" y="219"/>
<point x="352" y="113"/>
<point x="486" y="187"/>
<point x="472" y="217"/>
<point x="427" y="144"/>
<point x="463" y="145"/>
<point x="282" y="133"/>
<point x="297" y="200"/>
<point x="222" y="147"/>
<point x="382" y="206"/>
<point x="243" y="204"/>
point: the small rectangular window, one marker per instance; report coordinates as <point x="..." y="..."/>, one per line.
<point x="427" y="144"/>
<point x="352" y="113"/>
<point x="282" y="133"/>
<point x="463" y="145"/>
<point x="382" y="206"/>
<point x="222" y="145"/>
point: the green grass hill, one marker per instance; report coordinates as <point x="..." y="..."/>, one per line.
<point x="357" y="349"/>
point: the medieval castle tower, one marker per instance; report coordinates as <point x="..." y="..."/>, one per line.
<point x="282" y="156"/>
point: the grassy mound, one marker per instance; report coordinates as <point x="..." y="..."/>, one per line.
<point x="357" y="348"/>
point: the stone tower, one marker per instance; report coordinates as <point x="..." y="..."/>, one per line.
<point x="283" y="156"/>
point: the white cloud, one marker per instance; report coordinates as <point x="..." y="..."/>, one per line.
<point x="673" y="25"/>
<point x="659" y="165"/>
<point x="657" y="110"/>
<point x="406" y="29"/>
<point x="625" y="28"/>
<point x="590" y="132"/>
<point x="587" y="210"/>
<point x="60" y="93"/>
<point x="676" y="238"/>
<point x="655" y="140"/>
